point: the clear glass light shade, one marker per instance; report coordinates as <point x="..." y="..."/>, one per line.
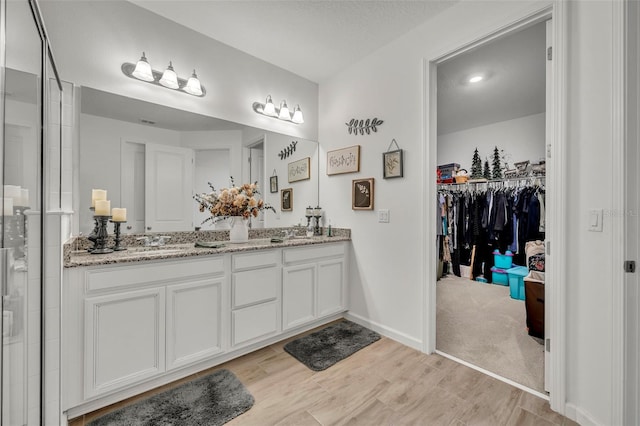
<point x="297" y="115"/>
<point x="284" y="111"/>
<point x="269" y="109"/>
<point x="169" y="78"/>
<point x="143" y="70"/>
<point x="193" y="85"/>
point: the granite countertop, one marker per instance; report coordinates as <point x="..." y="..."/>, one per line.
<point x="182" y="244"/>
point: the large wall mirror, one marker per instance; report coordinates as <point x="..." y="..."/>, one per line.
<point x="151" y="159"/>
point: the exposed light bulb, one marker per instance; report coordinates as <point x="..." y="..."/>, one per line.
<point x="284" y="111"/>
<point x="269" y="109"/>
<point x="297" y="115"/>
<point x="476" y="79"/>
<point x="169" y="78"/>
<point x="193" y="86"/>
<point x="143" y="70"/>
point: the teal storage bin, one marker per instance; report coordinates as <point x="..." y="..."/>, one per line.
<point x="502" y="261"/>
<point x="499" y="276"/>
<point x="516" y="281"/>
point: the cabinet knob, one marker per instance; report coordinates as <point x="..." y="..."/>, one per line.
<point x="129" y="227"/>
<point x="148" y="228"/>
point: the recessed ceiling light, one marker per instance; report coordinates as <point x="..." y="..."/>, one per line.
<point x="476" y="78"/>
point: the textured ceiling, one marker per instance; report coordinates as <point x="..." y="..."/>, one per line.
<point x="514" y="86"/>
<point x="311" y="38"/>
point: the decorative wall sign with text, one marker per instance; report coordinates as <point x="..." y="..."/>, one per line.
<point x="363" y="126"/>
<point x="300" y="170"/>
<point x="345" y="160"/>
<point x="285" y="153"/>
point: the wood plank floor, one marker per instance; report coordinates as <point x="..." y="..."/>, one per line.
<point x="385" y="383"/>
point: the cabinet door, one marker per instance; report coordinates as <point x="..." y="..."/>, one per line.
<point x="330" y="287"/>
<point x="194" y="321"/>
<point x="124" y="339"/>
<point x="298" y="295"/>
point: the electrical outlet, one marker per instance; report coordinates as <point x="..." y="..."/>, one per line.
<point x="383" y="216"/>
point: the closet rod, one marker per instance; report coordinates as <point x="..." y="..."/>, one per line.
<point x="492" y="183"/>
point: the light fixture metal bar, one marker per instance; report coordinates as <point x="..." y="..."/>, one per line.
<point x="128" y="67"/>
<point x="258" y="107"/>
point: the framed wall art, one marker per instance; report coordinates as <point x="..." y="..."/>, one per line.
<point x="273" y="184"/>
<point x="299" y="170"/>
<point x="392" y="162"/>
<point x="286" y="200"/>
<point x="362" y="198"/>
<point x="345" y="160"/>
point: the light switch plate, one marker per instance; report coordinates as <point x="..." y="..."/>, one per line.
<point x="383" y="216"/>
<point x="595" y="220"/>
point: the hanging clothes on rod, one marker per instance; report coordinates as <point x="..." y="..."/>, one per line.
<point x="496" y="215"/>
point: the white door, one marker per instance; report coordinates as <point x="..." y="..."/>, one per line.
<point x="169" y="188"/>
<point x="256" y="174"/>
<point x="548" y="140"/>
<point x="132" y="185"/>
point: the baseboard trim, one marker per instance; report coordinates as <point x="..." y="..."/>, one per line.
<point x="405" y="339"/>
<point x="579" y="415"/>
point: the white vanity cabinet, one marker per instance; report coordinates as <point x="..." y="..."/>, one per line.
<point x="313" y="283"/>
<point x="255" y="296"/>
<point x="127" y="323"/>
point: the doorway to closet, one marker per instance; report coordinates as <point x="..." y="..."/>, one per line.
<point x="492" y="124"/>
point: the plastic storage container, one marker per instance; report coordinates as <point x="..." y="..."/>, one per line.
<point x="502" y="261"/>
<point x="499" y="276"/>
<point x="516" y="281"/>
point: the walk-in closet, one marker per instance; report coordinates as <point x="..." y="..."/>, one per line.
<point x="491" y="206"/>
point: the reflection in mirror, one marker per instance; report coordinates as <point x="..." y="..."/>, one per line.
<point x="151" y="159"/>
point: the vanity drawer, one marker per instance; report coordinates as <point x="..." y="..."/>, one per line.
<point x="313" y="253"/>
<point x="254" y="322"/>
<point x="165" y="271"/>
<point x="255" y="286"/>
<point x="257" y="259"/>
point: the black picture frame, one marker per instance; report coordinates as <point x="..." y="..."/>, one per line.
<point x="286" y="200"/>
<point x="362" y="194"/>
<point x="392" y="164"/>
<point x="273" y="184"/>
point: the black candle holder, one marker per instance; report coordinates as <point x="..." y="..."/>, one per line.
<point x="317" y="230"/>
<point x="93" y="236"/>
<point x="116" y="230"/>
<point x="101" y="236"/>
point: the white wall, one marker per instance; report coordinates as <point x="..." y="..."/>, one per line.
<point x="90" y="49"/>
<point x="388" y="274"/>
<point x="521" y="139"/>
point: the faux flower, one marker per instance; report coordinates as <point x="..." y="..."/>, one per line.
<point x="241" y="200"/>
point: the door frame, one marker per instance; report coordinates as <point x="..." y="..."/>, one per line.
<point x="556" y="189"/>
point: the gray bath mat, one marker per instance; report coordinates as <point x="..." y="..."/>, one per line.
<point x="323" y="348"/>
<point x="211" y="400"/>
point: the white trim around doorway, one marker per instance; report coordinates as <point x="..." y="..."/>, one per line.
<point x="556" y="191"/>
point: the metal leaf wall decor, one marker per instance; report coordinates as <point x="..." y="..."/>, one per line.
<point x="363" y="126"/>
<point x="288" y="150"/>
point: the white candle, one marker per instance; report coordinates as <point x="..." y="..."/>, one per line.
<point x="119" y="214"/>
<point x="103" y="208"/>
<point x="24" y="197"/>
<point x="309" y="211"/>
<point x="97" y="194"/>
<point x="12" y="191"/>
<point x="7" y="206"/>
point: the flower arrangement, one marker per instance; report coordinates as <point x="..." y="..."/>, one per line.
<point x="234" y="201"/>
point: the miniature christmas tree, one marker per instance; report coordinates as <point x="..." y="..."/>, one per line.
<point x="476" y="166"/>
<point x="497" y="171"/>
<point x="487" y="170"/>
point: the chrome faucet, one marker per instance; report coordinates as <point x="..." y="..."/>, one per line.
<point x="289" y="233"/>
<point x="154" y="240"/>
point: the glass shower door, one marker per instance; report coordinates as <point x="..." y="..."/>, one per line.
<point x="21" y="254"/>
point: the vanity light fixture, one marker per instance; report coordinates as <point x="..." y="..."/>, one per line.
<point x="282" y="113"/>
<point x="142" y="71"/>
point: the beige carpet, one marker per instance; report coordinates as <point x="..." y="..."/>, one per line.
<point x="479" y="323"/>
